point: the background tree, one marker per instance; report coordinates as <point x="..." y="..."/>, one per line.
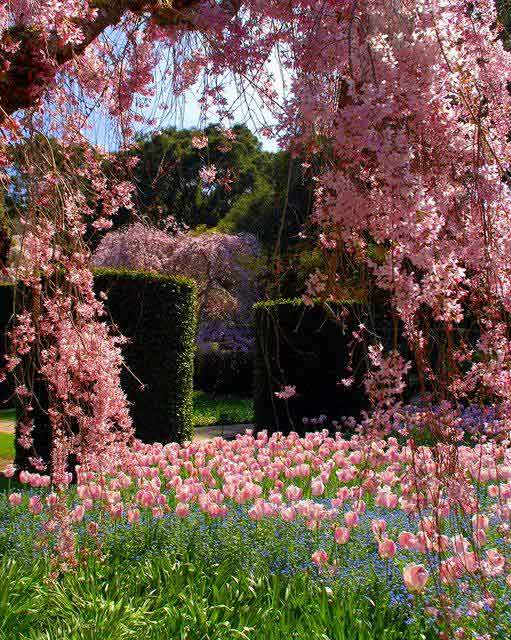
<point x="225" y="268"/>
<point x="168" y="173"/>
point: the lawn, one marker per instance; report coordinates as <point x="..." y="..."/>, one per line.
<point x="6" y="446"/>
<point x="211" y="409"/>
<point x="7" y="416"/>
<point x="208" y="409"/>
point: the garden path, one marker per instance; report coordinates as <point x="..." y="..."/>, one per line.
<point x="228" y="432"/>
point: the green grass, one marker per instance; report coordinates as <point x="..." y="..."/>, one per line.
<point x="164" y="599"/>
<point x="209" y="409"/>
<point x="6" y="446"/>
<point x="6" y="439"/>
<point x="7" y="415"/>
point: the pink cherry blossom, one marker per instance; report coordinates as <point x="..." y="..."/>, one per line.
<point x="200" y="142"/>
<point x="289" y="391"/>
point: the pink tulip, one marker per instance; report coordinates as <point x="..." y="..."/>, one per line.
<point x="407" y="540"/>
<point x="359" y="506"/>
<point x="494" y="563"/>
<point x="480" y="521"/>
<point x="460" y="544"/>
<point x="415" y="577"/>
<point x="320" y="557"/>
<point x="293" y="492"/>
<point x="451" y="570"/>
<point x="378" y="527"/>
<point x="51" y="499"/>
<point x="469" y="561"/>
<point x="275" y="498"/>
<point x="182" y="509"/>
<point x="317" y="488"/>
<point x="256" y="512"/>
<point x="479" y="537"/>
<point x="493" y="491"/>
<point x="94" y="491"/>
<point x="387" y="548"/>
<point x="15" y="499"/>
<point x="116" y="510"/>
<point x="351" y="518"/>
<point x="78" y="513"/>
<point x="35" y="506"/>
<point x="9" y="471"/>
<point x="288" y="514"/>
<point x="341" y="535"/>
<point x="133" y="515"/>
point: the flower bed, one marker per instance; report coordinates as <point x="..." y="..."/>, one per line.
<point x="347" y="512"/>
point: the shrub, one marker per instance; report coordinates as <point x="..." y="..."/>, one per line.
<point x="302" y="346"/>
<point x="224" y="371"/>
<point x="157" y="314"/>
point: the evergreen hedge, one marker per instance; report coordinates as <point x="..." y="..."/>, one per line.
<point x="157" y="314"/>
<point x="227" y="372"/>
<point x="303" y="346"/>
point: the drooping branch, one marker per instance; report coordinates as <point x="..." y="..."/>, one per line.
<point x="30" y="59"/>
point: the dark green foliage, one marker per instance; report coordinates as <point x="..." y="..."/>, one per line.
<point x="158" y="314"/>
<point x="224" y="371"/>
<point x="168" y="174"/>
<point x="302" y="346"/>
<point x="276" y="208"/>
<point x="504" y="15"/>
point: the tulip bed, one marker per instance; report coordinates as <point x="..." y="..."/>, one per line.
<point x="325" y="537"/>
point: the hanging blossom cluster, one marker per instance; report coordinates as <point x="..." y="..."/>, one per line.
<point x="60" y="340"/>
<point x="415" y="108"/>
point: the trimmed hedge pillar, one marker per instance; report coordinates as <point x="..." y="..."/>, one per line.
<point x="302" y="346"/>
<point x="157" y="314"/>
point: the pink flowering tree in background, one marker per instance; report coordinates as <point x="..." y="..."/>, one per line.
<point x="223" y="266"/>
<point x="408" y="106"/>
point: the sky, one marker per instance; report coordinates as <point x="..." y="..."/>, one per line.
<point x="186" y="112"/>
